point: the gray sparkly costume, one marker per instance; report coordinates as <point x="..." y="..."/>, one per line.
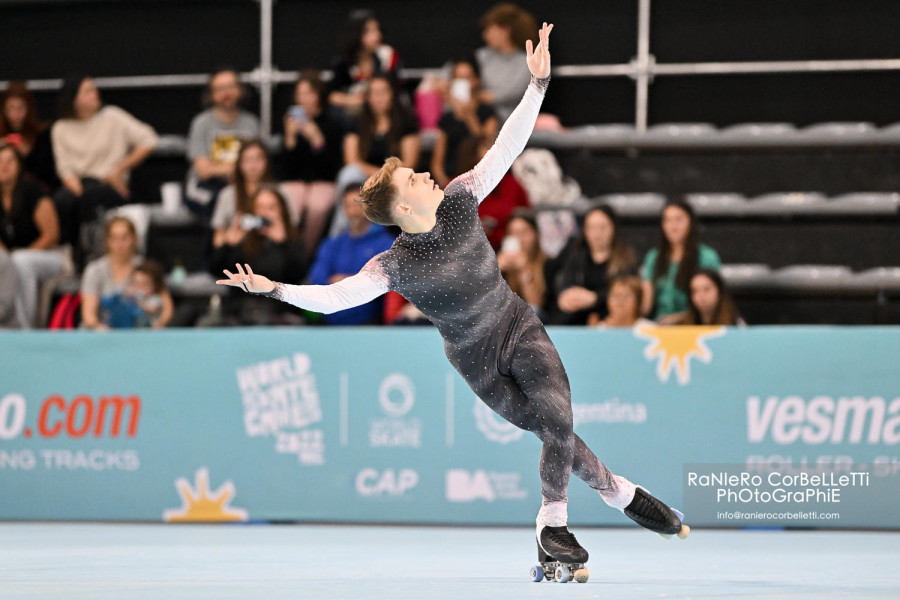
<point x="491" y="336"/>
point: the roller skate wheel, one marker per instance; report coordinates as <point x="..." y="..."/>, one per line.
<point x="582" y="574"/>
<point x="537" y="573"/>
<point x="685" y="531"/>
<point x="562" y="574"/>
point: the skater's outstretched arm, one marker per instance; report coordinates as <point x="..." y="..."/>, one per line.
<point x="518" y="127"/>
<point x="363" y="287"/>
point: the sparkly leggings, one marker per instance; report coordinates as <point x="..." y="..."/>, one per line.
<point x="517" y="372"/>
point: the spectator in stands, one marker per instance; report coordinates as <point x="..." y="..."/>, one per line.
<point x="252" y="171"/>
<point x="214" y="141"/>
<point x="9" y="283"/>
<point x="623" y="304"/>
<point x="465" y="115"/>
<point x="344" y="255"/>
<point x="95" y="148"/>
<point x="521" y="260"/>
<point x="20" y="127"/>
<point x="710" y="303"/>
<point x="110" y="274"/>
<point x="146" y="302"/>
<point x="270" y="241"/>
<point x="313" y="144"/>
<point x="29" y="229"/>
<point x="668" y="268"/>
<point x="504" y="74"/>
<point x="507" y="196"/>
<point x="384" y="129"/>
<point x="599" y="255"/>
<point x="363" y="56"/>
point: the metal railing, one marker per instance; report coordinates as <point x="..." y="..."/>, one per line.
<point x="642" y="69"/>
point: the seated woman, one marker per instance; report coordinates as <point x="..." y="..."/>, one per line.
<point x="110" y="274"/>
<point x="313" y="155"/>
<point x="668" y="268"/>
<point x="521" y="260"/>
<point x="20" y="127"/>
<point x="252" y="172"/>
<point x="465" y="115"/>
<point x="598" y="256"/>
<point x="623" y="303"/>
<point x="363" y="56"/>
<point x="710" y="303"/>
<point x="264" y="236"/>
<point x="95" y="148"/>
<point x="384" y="129"/>
<point x="29" y="230"/>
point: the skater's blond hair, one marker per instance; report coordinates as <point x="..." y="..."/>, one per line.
<point x="379" y="194"/>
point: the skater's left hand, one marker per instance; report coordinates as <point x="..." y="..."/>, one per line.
<point x="539" y="59"/>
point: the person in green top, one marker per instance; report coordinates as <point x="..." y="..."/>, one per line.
<point x="668" y="269"/>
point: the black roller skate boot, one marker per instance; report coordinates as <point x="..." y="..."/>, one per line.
<point x="651" y="513"/>
<point x="560" y="555"/>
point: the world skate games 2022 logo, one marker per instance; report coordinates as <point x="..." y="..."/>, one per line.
<point x="493" y="426"/>
<point x="396" y="396"/>
<point x="281" y="400"/>
<point x="673" y="347"/>
<point x="468" y="486"/>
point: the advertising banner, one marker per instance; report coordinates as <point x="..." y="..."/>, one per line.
<point x="736" y="427"/>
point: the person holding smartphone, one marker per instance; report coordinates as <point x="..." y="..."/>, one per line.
<point x="313" y="155"/>
<point x="465" y="115"/>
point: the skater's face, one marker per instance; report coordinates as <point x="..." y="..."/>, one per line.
<point x="419" y="194"/>
<point x="253" y="164"/>
<point x="704" y="294"/>
<point x="598" y="231"/>
<point x="15" y="110"/>
<point x="676" y="225"/>
<point x="87" y="100"/>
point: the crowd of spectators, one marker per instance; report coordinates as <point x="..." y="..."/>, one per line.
<point x="300" y="223"/>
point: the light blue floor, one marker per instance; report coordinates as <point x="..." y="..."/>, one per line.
<point x="93" y="561"/>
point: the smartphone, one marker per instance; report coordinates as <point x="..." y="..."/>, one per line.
<point x="297" y="113"/>
<point x="510" y="244"/>
<point x="461" y="89"/>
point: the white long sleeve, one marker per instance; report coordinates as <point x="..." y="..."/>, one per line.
<point x="509" y="144"/>
<point x="365" y="286"/>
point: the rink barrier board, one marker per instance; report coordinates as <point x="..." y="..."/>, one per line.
<point x="373" y="425"/>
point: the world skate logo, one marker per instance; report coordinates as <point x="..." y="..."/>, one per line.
<point x="370" y="482"/>
<point x="675" y="346"/>
<point x="281" y="400"/>
<point x="465" y="486"/>
<point x="199" y="504"/>
<point x="493" y="426"/>
<point x="397" y="396"/>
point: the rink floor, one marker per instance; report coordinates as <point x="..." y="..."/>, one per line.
<point x="92" y="561"/>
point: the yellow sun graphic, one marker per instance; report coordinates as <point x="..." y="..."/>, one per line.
<point x="674" y="346"/>
<point x="198" y="504"/>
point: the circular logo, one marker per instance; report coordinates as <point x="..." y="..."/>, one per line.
<point x="493" y="426"/>
<point x="400" y="383"/>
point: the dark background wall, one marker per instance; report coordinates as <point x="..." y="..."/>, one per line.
<point x="47" y="39"/>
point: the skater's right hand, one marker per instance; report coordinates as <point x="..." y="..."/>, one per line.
<point x="249" y="281"/>
<point x="539" y="60"/>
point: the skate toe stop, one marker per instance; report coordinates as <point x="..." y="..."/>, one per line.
<point x="685" y="531"/>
